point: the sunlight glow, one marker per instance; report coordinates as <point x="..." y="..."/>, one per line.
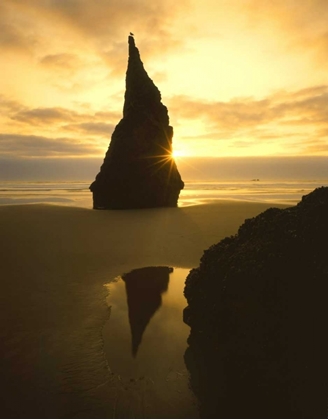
<point x="233" y="88"/>
<point x="178" y="153"/>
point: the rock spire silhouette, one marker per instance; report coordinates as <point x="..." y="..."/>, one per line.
<point x="138" y="170"/>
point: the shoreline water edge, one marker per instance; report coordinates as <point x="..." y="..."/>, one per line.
<point x="77" y="193"/>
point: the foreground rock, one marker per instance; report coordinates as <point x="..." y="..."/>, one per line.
<point x="138" y="170"/>
<point x="257" y="307"/>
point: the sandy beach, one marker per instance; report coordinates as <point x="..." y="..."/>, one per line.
<point x="55" y="262"/>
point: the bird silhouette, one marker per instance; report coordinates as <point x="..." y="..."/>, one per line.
<point x="131" y="34"/>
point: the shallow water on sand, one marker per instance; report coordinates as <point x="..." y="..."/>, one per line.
<point x="77" y="193"/>
<point x="145" y="337"/>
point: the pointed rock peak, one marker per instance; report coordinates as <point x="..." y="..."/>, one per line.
<point x="134" y="61"/>
<point x="140" y="91"/>
<point x="133" y="50"/>
<point x="138" y="169"/>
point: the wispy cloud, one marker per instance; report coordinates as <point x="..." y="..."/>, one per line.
<point x="93" y="26"/>
<point x="8" y="106"/>
<point x="64" y="62"/>
<point x="14" y="38"/>
<point x="61" y="131"/>
<point x="92" y="128"/>
<point x="19" y="145"/>
<point x="60" y="116"/>
<point x="301" y="25"/>
<point x="16" y="34"/>
<point x="307" y="106"/>
<point x="297" y="119"/>
<point x="39" y="116"/>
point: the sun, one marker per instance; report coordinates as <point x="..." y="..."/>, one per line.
<point x="177" y="153"/>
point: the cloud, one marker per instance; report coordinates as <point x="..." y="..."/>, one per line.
<point x="315" y="147"/>
<point x="116" y="58"/>
<point x="96" y="122"/>
<point x="18" y="145"/>
<point x="12" y="37"/>
<point x="52" y="126"/>
<point x="307" y="106"/>
<point x="65" y="62"/>
<point x="108" y="17"/>
<point x="74" y="72"/>
<point x="289" y="120"/>
<point x="50" y="168"/>
<point x="93" y="26"/>
<point x="108" y="115"/>
<point x="13" y="34"/>
<point x="233" y="115"/>
<point x="92" y="128"/>
<point x="301" y="25"/>
<point x="9" y="106"/>
<point x="40" y="116"/>
<point x="17" y="31"/>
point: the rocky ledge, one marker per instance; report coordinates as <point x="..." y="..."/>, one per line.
<point x="138" y="169"/>
<point x="257" y="308"/>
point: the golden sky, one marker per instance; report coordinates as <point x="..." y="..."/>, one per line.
<point x="239" y="77"/>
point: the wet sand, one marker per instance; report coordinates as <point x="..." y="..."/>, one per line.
<point x="55" y="262"/>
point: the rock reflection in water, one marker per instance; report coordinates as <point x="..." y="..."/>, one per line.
<point x="144" y="288"/>
<point x="146" y="316"/>
<point x="148" y="303"/>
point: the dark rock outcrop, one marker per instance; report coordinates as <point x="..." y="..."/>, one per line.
<point x="257" y="307"/>
<point x="138" y="169"/>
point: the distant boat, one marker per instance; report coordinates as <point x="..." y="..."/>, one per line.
<point x="255" y="179"/>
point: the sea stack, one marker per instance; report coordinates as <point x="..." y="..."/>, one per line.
<point x="138" y="169"/>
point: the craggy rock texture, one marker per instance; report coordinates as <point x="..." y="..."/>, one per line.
<point x="257" y="307"/>
<point x="138" y="170"/>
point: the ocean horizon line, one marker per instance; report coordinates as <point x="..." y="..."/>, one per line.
<point x="190" y="168"/>
<point x="77" y="193"/>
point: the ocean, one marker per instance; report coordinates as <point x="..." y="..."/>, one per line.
<point x="77" y="194"/>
